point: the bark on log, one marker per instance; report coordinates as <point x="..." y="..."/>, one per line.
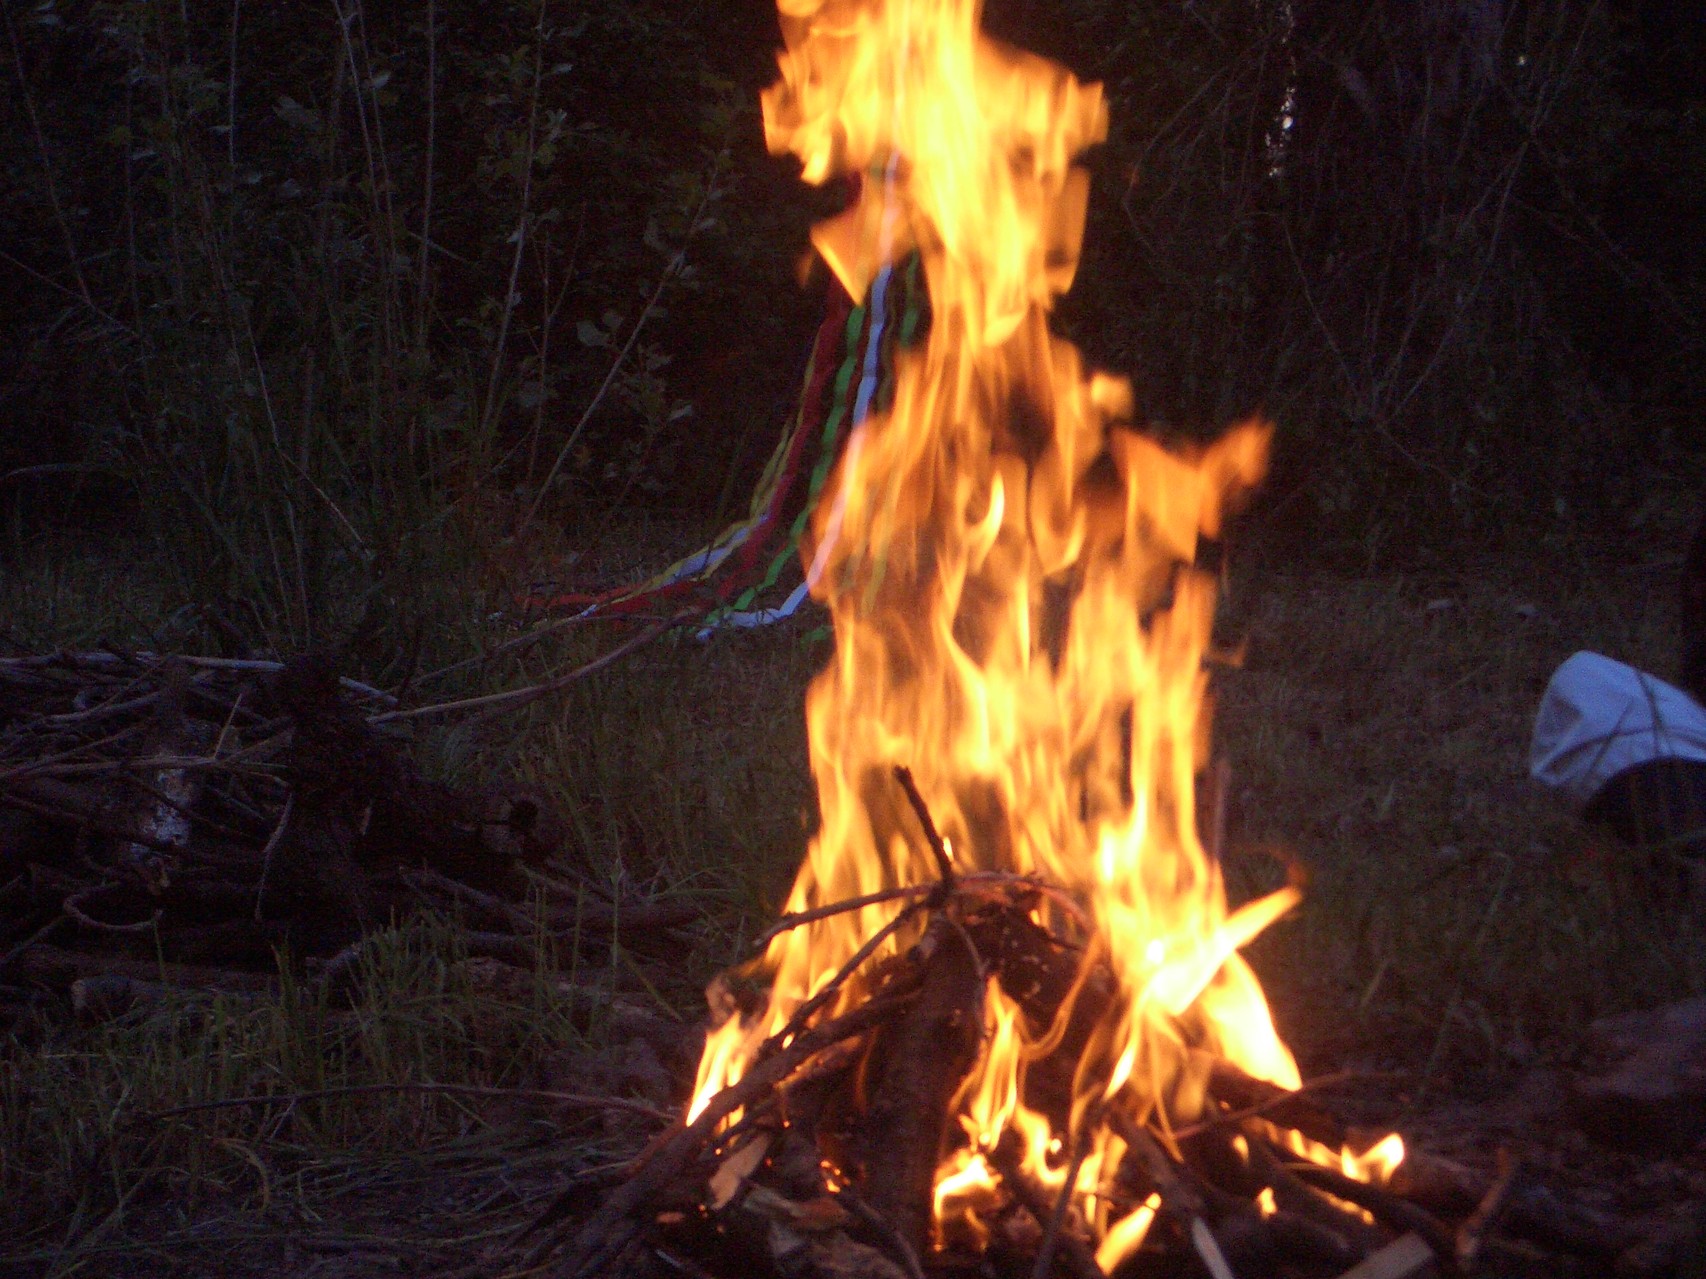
<point x="1040" y="974"/>
<point x="925" y="1057"/>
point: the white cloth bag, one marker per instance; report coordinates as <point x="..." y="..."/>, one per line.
<point x="1599" y="717"/>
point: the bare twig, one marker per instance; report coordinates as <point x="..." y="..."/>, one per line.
<point x="1034" y="1199"/>
<point x="272" y="844"/>
<point x="183" y="809"/>
<point x="40" y="934"/>
<point x="1280" y="1099"/>
<point x="532" y="637"/>
<point x="939" y="850"/>
<point x="108" y="660"/>
<point x="670" y="272"/>
<point x="899" y="1247"/>
<point x="98" y="767"/>
<point x="73" y="906"/>
<point x="103" y="711"/>
<point x="805" y="1011"/>
<point x="73" y="258"/>
<point x="802" y="917"/>
<point x="1386" y="1207"/>
<point x="230" y="719"/>
<point x="1057" y="1217"/>
<point x="82" y="748"/>
<point x="521" y="236"/>
<point x="516" y="698"/>
<point x="1473" y="1232"/>
<point x="427" y="878"/>
<point x="84" y="821"/>
<point x="1178" y="1196"/>
<point x="423" y="281"/>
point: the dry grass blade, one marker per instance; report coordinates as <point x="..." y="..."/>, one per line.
<point x="584" y="1100"/>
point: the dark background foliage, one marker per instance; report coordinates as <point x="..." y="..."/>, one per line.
<point x="302" y="287"/>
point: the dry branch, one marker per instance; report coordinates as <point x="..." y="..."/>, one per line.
<point x="208" y="812"/>
<point x="614" y="1226"/>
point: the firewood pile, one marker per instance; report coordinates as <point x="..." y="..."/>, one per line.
<point x="180" y="821"/>
<point x="820" y="1162"/>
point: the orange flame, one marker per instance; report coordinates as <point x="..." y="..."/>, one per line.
<point x="1017" y="619"/>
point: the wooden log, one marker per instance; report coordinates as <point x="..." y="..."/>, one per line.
<point x="1041" y="975"/>
<point x="1241" y="1092"/>
<point x="58" y="969"/>
<point x="361" y="812"/>
<point x="1442" y="1186"/>
<point x="62" y="803"/>
<point x="170" y="794"/>
<point x="924" y="1057"/>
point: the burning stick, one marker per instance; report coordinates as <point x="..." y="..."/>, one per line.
<point x="614" y="1227"/>
<point x="1178" y="1197"/>
<point x="1063" y="1200"/>
<point x="1004" y="1158"/>
<point x="944" y="863"/>
<point x="1389" y="1209"/>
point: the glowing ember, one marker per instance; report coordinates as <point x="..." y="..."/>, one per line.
<point x="1017" y="620"/>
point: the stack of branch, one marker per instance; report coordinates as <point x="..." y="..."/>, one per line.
<point x="184" y="820"/>
<point x="820" y="1161"/>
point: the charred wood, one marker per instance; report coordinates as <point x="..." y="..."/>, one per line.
<point x="924" y="1058"/>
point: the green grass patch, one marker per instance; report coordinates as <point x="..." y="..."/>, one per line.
<point x="1458" y="926"/>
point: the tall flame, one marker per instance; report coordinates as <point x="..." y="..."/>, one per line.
<point x="1009" y="569"/>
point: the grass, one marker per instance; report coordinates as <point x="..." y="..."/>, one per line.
<point x="111" y="1147"/>
<point x="1458" y="925"/>
<point x="1459" y="922"/>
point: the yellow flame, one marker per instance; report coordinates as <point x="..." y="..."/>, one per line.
<point x="1378" y="1162"/>
<point x="1009" y="567"/>
<point x="1127" y="1234"/>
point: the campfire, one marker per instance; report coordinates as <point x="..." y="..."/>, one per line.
<point x="1004" y="1021"/>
